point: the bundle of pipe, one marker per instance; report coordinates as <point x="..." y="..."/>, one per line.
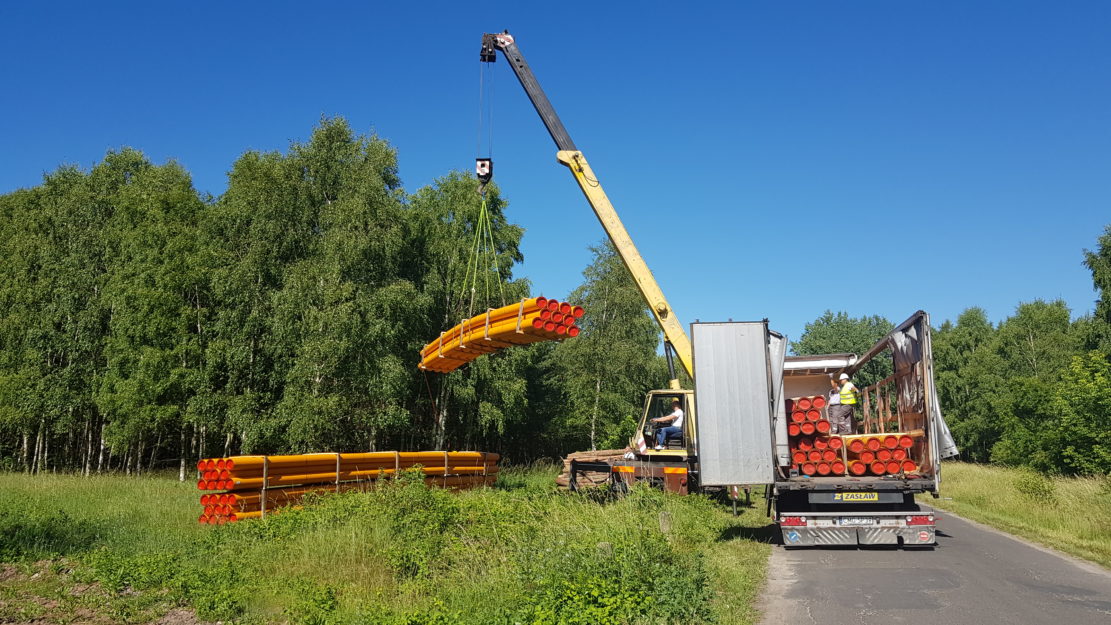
<point x="528" y="321"/>
<point x="882" y="454"/>
<point x="813" y="450"/>
<point x="253" y="485"/>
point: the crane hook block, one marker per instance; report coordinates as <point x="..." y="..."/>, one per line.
<point x="484" y="169"/>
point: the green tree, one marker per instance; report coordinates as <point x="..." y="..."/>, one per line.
<point x="1098" y="334"/>
<point x="604" y="373"/>
<point x="489" y="398"/>
<point x="838" y="333"/>
<point x="969" y="374"/>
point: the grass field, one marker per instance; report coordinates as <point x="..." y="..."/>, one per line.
<point x="114" y="549"/>
<point x="1070" y="514"/>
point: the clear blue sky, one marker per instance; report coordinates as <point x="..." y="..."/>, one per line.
<point x="963" y="147"/>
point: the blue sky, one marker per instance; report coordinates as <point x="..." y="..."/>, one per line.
<point x="771" y="159"/>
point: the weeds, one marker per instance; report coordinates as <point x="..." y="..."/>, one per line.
<point x="404" y="554"/>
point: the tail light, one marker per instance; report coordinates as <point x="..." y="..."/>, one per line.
<point x="920" y="519"/>
<point x="794" y="521"/>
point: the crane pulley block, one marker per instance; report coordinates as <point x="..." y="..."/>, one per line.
<point x="484" y="169"/>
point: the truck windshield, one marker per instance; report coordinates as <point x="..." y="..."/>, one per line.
<point x="661" y="405"/>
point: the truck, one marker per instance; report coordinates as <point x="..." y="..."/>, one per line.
<point x="736" y="433"/>
<point x="743" y="385"/>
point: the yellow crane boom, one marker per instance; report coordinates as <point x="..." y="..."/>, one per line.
<point x="674" y="334"/>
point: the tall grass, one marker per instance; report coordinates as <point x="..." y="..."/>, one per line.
<point x="1072" y="514"/>
<point x="522" y="552"/>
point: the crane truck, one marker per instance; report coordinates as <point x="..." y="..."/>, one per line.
<point x="736" y="431"/>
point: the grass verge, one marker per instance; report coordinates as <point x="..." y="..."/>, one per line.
<point x="1067" y="513"/>
<point x="404" y="555"/>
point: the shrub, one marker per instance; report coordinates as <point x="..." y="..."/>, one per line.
<point x="1036" y="487"/>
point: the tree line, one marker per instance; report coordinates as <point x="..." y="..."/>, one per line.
<point x="1033" y="390"/>
<point x="144" y="325"/>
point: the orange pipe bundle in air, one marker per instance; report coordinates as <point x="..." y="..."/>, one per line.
<point x="528" y="321"/>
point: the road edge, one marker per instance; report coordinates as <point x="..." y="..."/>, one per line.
<point x="1087" y="565"/>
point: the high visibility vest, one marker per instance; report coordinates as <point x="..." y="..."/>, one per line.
<point x="848" y="394"/>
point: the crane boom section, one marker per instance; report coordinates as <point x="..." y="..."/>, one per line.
<point x="623" y="243"/>
<point x="575" y="161"/>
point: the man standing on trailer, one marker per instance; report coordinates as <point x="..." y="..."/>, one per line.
<point x="841" y="413"/>
<point x="674" y="430"/>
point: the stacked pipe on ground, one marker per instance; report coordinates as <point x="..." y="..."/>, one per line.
<point x="814" y="452"/>
<point x="528" y="321"/>
<point x="252" y="486"/>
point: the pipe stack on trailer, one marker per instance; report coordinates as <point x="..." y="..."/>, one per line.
<point x="247" y="487"/>
<point x="528" y="321"/>
<point x="814" y="452"/>
<point x="882" y="454"/>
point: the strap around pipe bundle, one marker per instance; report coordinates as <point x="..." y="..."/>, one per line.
<point x="520" y="316"/>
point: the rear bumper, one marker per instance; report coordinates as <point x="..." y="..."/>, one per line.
<point x="818" y="536"/>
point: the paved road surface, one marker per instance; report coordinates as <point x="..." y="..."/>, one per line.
<point x="976" y="575"/>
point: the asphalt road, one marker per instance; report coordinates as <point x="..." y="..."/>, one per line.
<point x="974" y="575"/>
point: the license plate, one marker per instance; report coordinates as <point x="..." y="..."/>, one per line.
<point x="857" y="521"/>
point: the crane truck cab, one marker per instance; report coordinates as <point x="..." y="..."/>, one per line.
<point x="658" y="404"/>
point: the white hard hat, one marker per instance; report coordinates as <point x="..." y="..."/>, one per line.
<point x="844" y="376"/>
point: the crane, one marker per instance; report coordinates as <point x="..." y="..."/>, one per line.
<point x="676" y="340"/>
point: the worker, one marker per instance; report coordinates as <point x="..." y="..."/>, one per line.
<point x="674" y="430"/>
<point x="841" y="415"/>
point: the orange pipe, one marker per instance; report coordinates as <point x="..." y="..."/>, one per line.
<point x="806" y="444"/>
<point x="577" y="312"/>
<point x="822" y="426"/>
<point x="820" y="443"/>
<point x="835" y="442"/>
<point x="808" y="468"/>
<point x="873" y="444"/>
<point x="829" y="455"/>
<point x="878" y="468"/>
<point x="899" y="454"/>
<point x="793" y="429"/>
<point x="799" y="457"/>
<point x="823" y="468"/>
<point x="868" y="456"/>
<point x="837" y="467"/>
<point x="909" y="466"/>
<point x="813" y="415"/>
<point x="857" y="467"/>
<point x="818" y="402"/>
<point x="891" y="442"/>
<point x="814" y="456"/>
<point x="883" y="455"/>
<point x="798" y="416"/>
<point x="807" y="428"/>
<point x="856" y="446"/>
<point x="894" y="467"/>
<point x="803" y="403"/>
